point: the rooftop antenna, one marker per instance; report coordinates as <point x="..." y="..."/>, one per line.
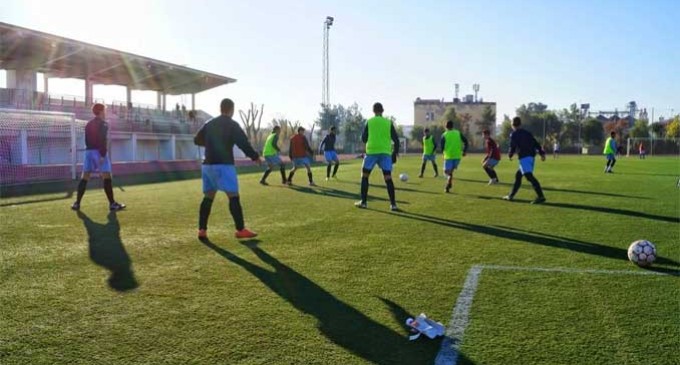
<point x="475" y="87"/>
<point x="457" y="87"/>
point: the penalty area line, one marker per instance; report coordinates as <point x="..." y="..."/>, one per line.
<point x="460" y="317"/>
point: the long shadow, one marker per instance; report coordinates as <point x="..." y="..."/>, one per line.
<point x="341" y="323"/>
<point x="335" y="193"/>
<point x="107" y="250"/>
<point x="534" y="238"/>
<point x="547" y="188"/>
<point x="397" y="187"/>
<point x="647" y="174"/>
<point x="630" y="213"/>
<point x="68" y="194"/>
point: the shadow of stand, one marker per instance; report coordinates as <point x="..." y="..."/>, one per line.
<point x="107" y="250"/>
<point x="338" y="321"/>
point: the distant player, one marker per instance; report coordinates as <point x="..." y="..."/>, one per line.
<point x="218" y="136"/>
<point x="328" y="148"/>
<point x="454" y="146"/>
<point x="299" y="153"/>
<point x="271" y="156"/>
<point x="429" y="153"/>
<point x="525" y="145"/>
<point x="642" y="151"/>
<point x="96" y="158"/>
<point x="610" y="152"/>
<point x="492" y="158"/>
<point x="556" y="149"/>
<point x="379" y="135"/>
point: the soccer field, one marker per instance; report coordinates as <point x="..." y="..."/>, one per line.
<point x="326" y="283"/>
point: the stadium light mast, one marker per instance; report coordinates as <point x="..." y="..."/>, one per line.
<point x="325" y="88"/>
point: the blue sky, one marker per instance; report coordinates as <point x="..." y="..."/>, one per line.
<point x="603" y="52"/>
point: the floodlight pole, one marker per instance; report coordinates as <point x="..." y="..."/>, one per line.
<point x="325" y="87"/>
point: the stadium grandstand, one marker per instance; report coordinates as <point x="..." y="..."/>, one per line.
<point x="41" y="132"/>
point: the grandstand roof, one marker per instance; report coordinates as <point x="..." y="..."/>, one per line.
<point x="22" y="48"/>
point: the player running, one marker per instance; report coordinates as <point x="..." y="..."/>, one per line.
<point x="218" y="136"/>
<point x="610" y="153"/>
<point x="526" y="146"/>
<point x="299" y="152"/>
<point x="96" y="158"/>
<point x="429" y="153"/>
<point x="328" y="148"/>
<point x="492" y="158"/>
<point x="454" y="146"/>
<point x="379" y="134"/>
<point x="271" y="156"/>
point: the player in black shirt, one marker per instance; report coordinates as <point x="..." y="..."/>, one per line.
<point x="526" y="146"/>
<point x="96" y="157"/>
<point x="328" y="146"/>
<point x="218" y="136"/>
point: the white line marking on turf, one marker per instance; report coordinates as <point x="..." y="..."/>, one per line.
<point x="448" y="353"/>
<point x="453" y="338"/>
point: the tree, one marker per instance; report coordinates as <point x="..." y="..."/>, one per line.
<point x="488" y="120"/>
<point x="353" y="127"/>
<point x="593" y="133"/>
<point x="450" y="114"/>
<point x="252" y="121"/>
<point x="659" y="130"/>
<point x="417" y="133"/>
<point x="619" y="127"/>
<point x="640" y="129"/>
<point x="673" y="128"/>
<point x="505" y="131"/>
<point x="571" y="120"/>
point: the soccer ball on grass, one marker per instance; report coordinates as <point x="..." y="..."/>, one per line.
<point x="642" y="253"/>
<point x="403" y="177"/>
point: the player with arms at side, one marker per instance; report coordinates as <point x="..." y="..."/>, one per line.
<point x="299" y="152"/>
<point x="525" y="145"/>
<point x="429" y="153"/>
<point x="492" y="158"/>
<point x="331" y="156"/>
<point x="379" y="135"/>
<point x="96" y="157"/>
<point x="454" y="146"/>
<point x="610" y="152"/>
<point x="271" y="156"/>
<point x="218" y="136"/>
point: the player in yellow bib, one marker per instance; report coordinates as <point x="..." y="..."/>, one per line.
<point x="429" y="153"/>
<point x="271" y="156"/>
<point x="610" y="152"/>
<point x="379" y="135"/>
<point x="454" y="146"/>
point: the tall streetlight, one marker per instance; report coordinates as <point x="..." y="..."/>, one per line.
<point x="325" y="88"/>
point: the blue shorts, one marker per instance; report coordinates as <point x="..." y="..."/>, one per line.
<point x="273" y="160"/>
<point x="526" y="165"/>
<point x="219" y="178"/>
<point x="298" y="161"/>
<point x="492" y="162"/>
<point x="610" y="156"/>
<point x="383" y="160"/>
<point x="450" y="165"/>
<point x="330" y="156"/>
<point x="92" y="162"/>
<point x="431" y="157"/>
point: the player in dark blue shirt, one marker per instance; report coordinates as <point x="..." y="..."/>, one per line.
<point x="218" y="136"/>
<point x="328" y="148"/>
<point x="525" y="145"/>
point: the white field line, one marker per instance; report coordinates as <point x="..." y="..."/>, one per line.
<point x="460" y="317"/>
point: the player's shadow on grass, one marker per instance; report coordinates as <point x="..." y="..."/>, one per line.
<point x="398" y="186"/>
<point x="630" y="213"/>
<point x="547" y="188"/>
<point x="538" y="238"/>
<point x="341" y="323"/>
<point x="336" y="193"/>
<point x="107" y="250"/>
<point x="67" y="195"/>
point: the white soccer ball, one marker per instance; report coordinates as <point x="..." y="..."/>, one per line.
<point x="403" y="177"/>
<point x="642" y="253"/>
